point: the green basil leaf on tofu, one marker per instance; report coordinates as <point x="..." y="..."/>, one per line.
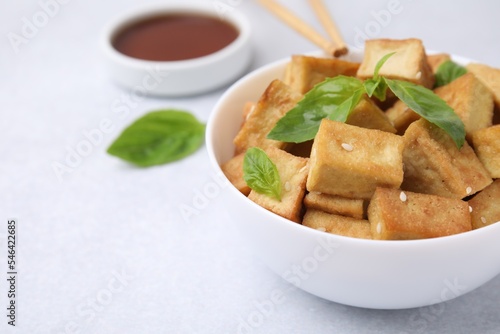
<point x="447" y="72"/>
<point x="381" y="63"/>
<point x="428" y="105"/>
<point x="261" y="174"/>
<point x="333" y="98"/>
<point x="376" y="86"/>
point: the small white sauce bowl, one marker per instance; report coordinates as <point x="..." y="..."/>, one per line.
<point x="365" y="273"/>
<point x="182" y="77"/>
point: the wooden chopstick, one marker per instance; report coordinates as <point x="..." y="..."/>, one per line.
<point x="329" y="25"/>
<point x="300" y="26"/>
<point x="338" y="49"/>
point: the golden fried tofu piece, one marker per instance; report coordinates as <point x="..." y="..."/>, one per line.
<point x="434" y="164"/>
<point x="351" y="162"/>
<point x="486" y="144"/>
<point x="400" y="215"/>
<point x="401" y="116"/>
<point x="304" y="72"/>
<point x="485" y="206"/>
<point x="470" y="100"/>
<point x="276" y="101"/>
<point x="489" y="76"/>
<point x="437" y="60"/>
<point x="346" y="226"/>
<point x="233" y="169"/>
<point x="409" y="63"/>
<point x="293" y="173"/>
<point x="367" y="115"/>
<point x="349" y="207"/>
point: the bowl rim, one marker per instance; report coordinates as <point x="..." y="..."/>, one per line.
<point x="211" y="131"/>
<point x="139" y="13"/>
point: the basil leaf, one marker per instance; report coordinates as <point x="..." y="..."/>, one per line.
<point x="261" y="174"/>
<point x="424" y="102"/>
<point x="380" y="63"/>
<point x="302" y="122"/>
<point x="447" y="72"/>
<point x="376" y="86"/>
<point x="345" y="108"/>
<point x="159" y="137"/>
<point x="371" y="86"/>
<point x="381" y="90"/>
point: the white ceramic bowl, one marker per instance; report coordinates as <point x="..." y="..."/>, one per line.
<point x="177" y="78"/>
<point x="364" y="273"/>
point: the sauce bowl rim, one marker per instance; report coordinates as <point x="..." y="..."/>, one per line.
<point x="140" y="13"/>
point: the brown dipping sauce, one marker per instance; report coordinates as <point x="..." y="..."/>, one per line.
<point x="175" y="37"/>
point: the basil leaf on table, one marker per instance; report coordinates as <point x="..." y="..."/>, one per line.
<point x="333" y="98"/>
<point x="447" y="72"/>
<point x="428" y="105"/>
<point x="261" y="174"/>
<point x="159" y="137"/>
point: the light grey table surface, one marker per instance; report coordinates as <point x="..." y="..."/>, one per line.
<point x="106" y="249"/>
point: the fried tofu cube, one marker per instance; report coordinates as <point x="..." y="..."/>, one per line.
<point x="490" y="77"/>
<point x="304" y="72"/>
<point x="485" y="206"/>
<point x="233" y="169"/>
<point x="434" y="164"/>
<point x="409" y="62"/>
<point x="346" y="226"/>
<point x="349" y="207"/>
<point x="351" y="162"/>
<point x="401" y="215"/>
<point x="486" y="143"/>
<point x="470" y="100"/>
<point x="367" y="115"/>
<point x="293" y="173"/>
<point x="401" y="116"/>
<point x="437" y="60"/>
<point x="276" y="101"/>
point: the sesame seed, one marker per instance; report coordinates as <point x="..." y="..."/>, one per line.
<point x="402" y="196"/>
<point x="379" y="228"/>
<point x="470" y="208"/>
<point x="347" y="147"/>
<point x="322" y="229"/>
<point x="287" y="186"/>
<point x="483" y="220"/>
<point x="250" y="112"/>
<point x="468" y="190"/>
<point x="419" y="75"/>
<point x="303" y="169"/>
